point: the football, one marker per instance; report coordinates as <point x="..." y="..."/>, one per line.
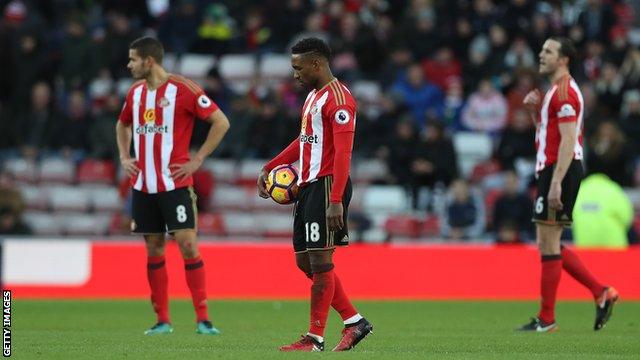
<point x="282" y="184"/>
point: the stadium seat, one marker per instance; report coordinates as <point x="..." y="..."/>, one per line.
<point x="224" y="171"/>
<point x="483" y="169"/>
<point x="275" y="67"/>
<point x="368" y="94"/>
<point x="471" y="149"/>
<point x="33" y="196"/>
<point x="104" y="198"/>
<point x="117" y="225"/>
<point x="403" y="226"/>
<point x="490" y="198"/>
<point x="227" y="197"/>
<point x="431" y="226"/>
<point x="276" y="225"/>
<point x="249" y="170"/>
<point x="634" y="197"/>
<point x="241" y="224"/>
<point x="366" y="171"/>
<point x="22" y="170"/>
<point x="264" y="205"/>
<point x="57" y="170"/>
<point x="68" y="198"/>
<point x="195" y="66"/>
<point x="43" y="223"/>
<point x="211" y="224"/>
<point x="385" y="199"/>
<point x="97" y="171"/>
<point x="238" y="70"/>
<point x="123" y="85"/>
<point x="85" y="224"/>
<point x="170" y="62"/>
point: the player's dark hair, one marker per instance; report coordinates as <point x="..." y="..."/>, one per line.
<point x="567" y="48"/>
<point x="312" y="45"/>
<point x="148" y="46"/>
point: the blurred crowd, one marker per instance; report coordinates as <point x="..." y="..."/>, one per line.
<point x="442" y="67"/>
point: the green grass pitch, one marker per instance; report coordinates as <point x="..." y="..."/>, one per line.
<point x="254" y="330"/>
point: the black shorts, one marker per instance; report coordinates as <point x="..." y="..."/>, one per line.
<point x="163" y="212"/>
<point x="310" y="231"/>
<point x="570" y="186"/>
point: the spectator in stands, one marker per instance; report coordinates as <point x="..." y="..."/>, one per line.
<point x="120" y="34"/>
<point x="454" y="102"/>
<point x="101" y="135"/>
<point x="630" y="119"/>
<point x="512" y="213"/>
<point x="258" y="36"/>
<point x="609" y="88"/>
<point x="72" y="133"/>
<point x="77" y="62"/>
<point x="596" y="20"/>
<point x="630" y="69"/>
<point x="609" y="154"/>
<point x="602" y="215"/>
<point x="434" y="161"/>
<point x="420" y="32"/>
<point x="478" y="65"/>
<point x="523" y="83"/>
<point x="400" y="58"/>
<point x="287" y="18"/>
<point x="462" y="37"/>
<point x="519" y="55"/>
<point x="178" y="28"/>
<point x="398" y="153"/>
<point x="11" y="223"/>
<point x="486" y="109"/>
<point x="216" y="31"/>
<point x="420" y="97"/>
<point x="313" y="27"/>
<point x="516" y="141"/>
<point x="442" y="68"/>
<point x="217" y="89"/>
<point x="463" y="216"/>
<point x="37" y="127"/>
<point x="540" y="31"/>
<point x="11" y="208"/>
<point x="30" y="66"/>
<point x="499" y="42"/>
<point x="619" y="45"/>
<point x="268" y="119"/>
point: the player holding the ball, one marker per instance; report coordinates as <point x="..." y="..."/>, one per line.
<point x="320" y="222"/>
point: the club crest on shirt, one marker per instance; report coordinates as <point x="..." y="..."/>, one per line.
<point x="566" y="110"/>
<point x="149" y="115"/>
<point x="163" y="102"/>
<point x="342" y="117"/>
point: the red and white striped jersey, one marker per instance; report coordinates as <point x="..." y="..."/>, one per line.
<point x="162" y="122"/>
<point x="326" y="112"/>
<point x="562" y="103"/>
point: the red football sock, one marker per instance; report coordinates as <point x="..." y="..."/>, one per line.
<point x="549" y="281"/>
<point x="572" y="264"/>
<point x="341" y="302"/>
<point x="322" y="292"/>
<point x="194" y="270"/>
<point x="158" y="282"/>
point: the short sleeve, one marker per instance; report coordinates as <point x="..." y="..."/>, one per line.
<point x="126" y="115"/>
<point x="567" y="110"/>
<point x="203" y="106"/>
<point x="343" y="118"/>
